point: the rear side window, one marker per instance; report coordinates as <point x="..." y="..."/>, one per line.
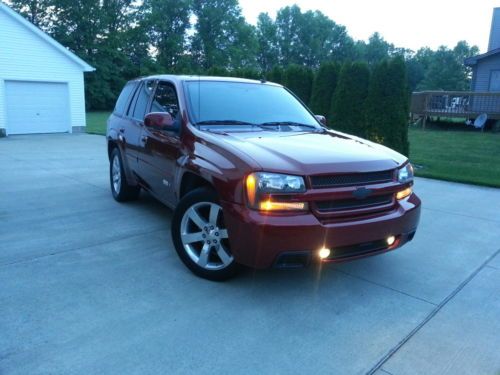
<point x="123" y="99"/>
<point x="143" y="95"/>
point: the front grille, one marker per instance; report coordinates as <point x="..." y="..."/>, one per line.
<point x="353" y="204"/>
<point x="337" y="180"/>
<point x="359" y="249"/>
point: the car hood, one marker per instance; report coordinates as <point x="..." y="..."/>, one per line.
<point x="312" y="153"/>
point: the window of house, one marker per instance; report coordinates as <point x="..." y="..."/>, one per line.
<point x="495" y="80"/>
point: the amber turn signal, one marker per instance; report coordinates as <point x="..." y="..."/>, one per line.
<point x="251" y="189"/>
<point x="403" y="193"/>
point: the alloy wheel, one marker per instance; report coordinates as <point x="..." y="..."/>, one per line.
<point x="204" y="236"/>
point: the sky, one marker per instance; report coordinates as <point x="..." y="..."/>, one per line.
<point x="405" y="23"/>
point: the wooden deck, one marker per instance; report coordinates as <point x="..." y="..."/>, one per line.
<point x="461" y="104"/>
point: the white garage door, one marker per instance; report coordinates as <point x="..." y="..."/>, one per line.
<point x="37" y="107"/>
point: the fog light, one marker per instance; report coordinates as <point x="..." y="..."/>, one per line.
<point x="391" y="240"/>
<point x="324" y="253"/>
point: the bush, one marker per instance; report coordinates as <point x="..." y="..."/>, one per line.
<point x="276" y="75"/>
<point x="348" y="104"/>
<point x="217" y="72"/>
<point x="299" y="80"/>
<point x="387" y="106"/>
<point x="324" y="86"/>
<point x="249" y="73"/>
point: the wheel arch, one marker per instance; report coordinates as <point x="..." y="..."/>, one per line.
<point x="191" y="181"/>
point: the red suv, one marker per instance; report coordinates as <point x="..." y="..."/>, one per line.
<point x="254" y="178"/>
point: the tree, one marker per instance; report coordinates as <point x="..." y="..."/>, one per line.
<point x="267" y="42"/>
<point x="377" y="50"/>
<point x="299" y="80"/>
<point x="165" y="23"/>
<point x="324" y="86"/>
<point x="38" y="12"/>
<point x="222" y="37"/>
<point x="445" y="69"/>
<point x="387" y="105"/>
<point x="348" y="104"/>
<point x="310" y="38"/>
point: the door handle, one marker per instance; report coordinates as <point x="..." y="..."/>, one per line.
<point x="122" y="130"/>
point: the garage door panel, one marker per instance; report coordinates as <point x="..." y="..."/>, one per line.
<point x="37" y="107"/>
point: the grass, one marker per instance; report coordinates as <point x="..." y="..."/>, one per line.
<point x="96" y="122"/>
<point x="462" y="156"/>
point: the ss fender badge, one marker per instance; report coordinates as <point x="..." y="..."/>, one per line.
<point x="362" y="192"/>
<point x="166" y="183"/>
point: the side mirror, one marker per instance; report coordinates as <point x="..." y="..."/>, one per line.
<point x="159" y="121"/>
<point x="321" y="119"/>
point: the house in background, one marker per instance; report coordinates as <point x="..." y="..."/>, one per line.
<point x="486" y="67"/>
<point x="41" y="82"/>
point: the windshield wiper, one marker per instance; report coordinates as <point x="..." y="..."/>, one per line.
<point x="290" y="123"/>
<point x="223" y="122"/>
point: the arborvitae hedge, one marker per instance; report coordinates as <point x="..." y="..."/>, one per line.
<point x="246" y="73"/>
<point x="347" y="112"/>
<point x="217" y="72"/>
<point x="387" y="106"/>
<point x="324" y="86"/>
<point x="276" y="75"/>
<point x="299" y="80"/>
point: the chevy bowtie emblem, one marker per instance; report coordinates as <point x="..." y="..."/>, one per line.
<point x="362" y="192"/>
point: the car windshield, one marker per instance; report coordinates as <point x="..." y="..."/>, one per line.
<point x="247" y="104"/>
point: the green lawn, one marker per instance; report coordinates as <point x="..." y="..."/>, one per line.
<point x="96" y="122"/>
<point x="463" y="156"/>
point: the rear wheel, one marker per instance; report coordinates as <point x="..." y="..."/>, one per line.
<point x="120" y="188"/>
<point x="200" y="236"/>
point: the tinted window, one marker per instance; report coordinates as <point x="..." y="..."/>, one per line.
<point x="142" y="95"/>
<point x="123" y="99"/>
<point x="165" y="99"/>
<point x="247" y="102"/>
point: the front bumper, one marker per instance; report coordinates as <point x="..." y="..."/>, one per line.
<point x="259" y="240"/>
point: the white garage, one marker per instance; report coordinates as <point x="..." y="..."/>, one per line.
<point x="41" y="82"/>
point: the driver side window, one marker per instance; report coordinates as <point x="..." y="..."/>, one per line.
<point x="165" y="99"/>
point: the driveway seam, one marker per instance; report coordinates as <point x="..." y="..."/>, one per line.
<point x="433" y="313"/>
<point x="386" y="287"/>
<point x="27" y="260"/>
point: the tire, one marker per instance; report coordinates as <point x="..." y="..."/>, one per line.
<point x="120" y="188"/>
<point x="200" y="236"/>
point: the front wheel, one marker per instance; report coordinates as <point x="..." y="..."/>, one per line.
<point x="200" y="236"/>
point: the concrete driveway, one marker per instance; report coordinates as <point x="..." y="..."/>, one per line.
<point x="91" y="286"/>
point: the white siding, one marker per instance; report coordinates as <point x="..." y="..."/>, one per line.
<point x="25" y="56"/>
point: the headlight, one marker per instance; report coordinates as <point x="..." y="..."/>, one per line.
<point x="260" y="186"/>
<point x="405" y="174"/>
<point x="279" y="183"/>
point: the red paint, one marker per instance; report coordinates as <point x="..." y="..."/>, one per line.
<point x="159" y="160"/>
